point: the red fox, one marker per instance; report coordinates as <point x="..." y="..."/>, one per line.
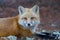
<point x="22" y="25"/>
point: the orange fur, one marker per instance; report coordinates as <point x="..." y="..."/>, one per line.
<point x="9" y="26"/>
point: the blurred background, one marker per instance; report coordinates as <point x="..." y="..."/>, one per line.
<point x="49" y="11"/>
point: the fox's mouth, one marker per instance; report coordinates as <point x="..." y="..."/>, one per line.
<point x="28" y="27"/>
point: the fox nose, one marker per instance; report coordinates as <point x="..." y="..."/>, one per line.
<point x="28" y="24"/>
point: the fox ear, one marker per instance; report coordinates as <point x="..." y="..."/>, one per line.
<point x="35" y="9"/>
<point x="21" y="9"/>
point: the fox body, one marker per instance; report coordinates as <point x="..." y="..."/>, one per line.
<point x="22" y="25"/>
<point x="9" y="26"/>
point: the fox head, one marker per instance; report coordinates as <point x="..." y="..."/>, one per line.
<point x="29" y="17"/>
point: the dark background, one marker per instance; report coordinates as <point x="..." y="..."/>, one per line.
<point x="49" y="11"/>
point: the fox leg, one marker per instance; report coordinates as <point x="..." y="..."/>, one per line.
<point x="27" y="38"/>
<point x="4" y="38"/>
<point x="12" y="37"/>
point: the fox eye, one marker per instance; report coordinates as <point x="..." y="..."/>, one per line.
<point x="25" y="18"/>
<point x="32" y="17"/>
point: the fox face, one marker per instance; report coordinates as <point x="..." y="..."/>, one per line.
<point x="29" y="17"/>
